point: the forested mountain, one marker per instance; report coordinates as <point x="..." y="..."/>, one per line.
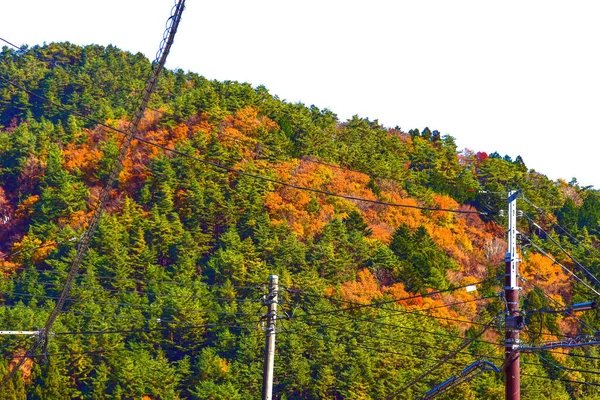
<point x="228" y="185"/>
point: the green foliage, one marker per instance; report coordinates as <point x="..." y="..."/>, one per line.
<point x="423" y="264"/>
<point x="167" y="303"/>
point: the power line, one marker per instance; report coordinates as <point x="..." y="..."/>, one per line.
<point x="7" y="42"/>
<point x="148" y="330"/>
<point x="561" y="380"/>
<point x="356" y="306"/>
<point x="361" y="345"/>
<point x="108" y="316"/>
<point x="560" y="367"/>
<point x="247" y="174"/>
<point x="416" y="296"/>
<point x="589" y="274"/>
<point x="393" y="340"/>
<point x="397" y="311"/>
<point x="118" y="304"/>
<point x="355" y="333"/>
<point x="565" y="231"/>
<point x="302" y="318"/>
<point x="405" y="328"/>
<point x="562" y="266"/>
<point x="150" y="281"/>
<point x="85" y="240"/>
<point x="7" y="255"/>
<point x="308" y="158"/>
<point x="448" y="357"/>
<point x="139" y="292"/>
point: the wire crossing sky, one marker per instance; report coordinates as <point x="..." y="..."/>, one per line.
<point x="519" y="78"/>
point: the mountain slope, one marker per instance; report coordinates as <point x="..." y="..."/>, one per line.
<point x="239" y="185"/>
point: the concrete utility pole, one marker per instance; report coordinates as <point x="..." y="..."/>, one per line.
<point x="271" y="302"/>
<point x="513" y="321"/>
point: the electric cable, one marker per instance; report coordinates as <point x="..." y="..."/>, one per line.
<point x="563" y="267"/>
<point x="401" y="327"/>
<point x="147" y="330"/>
<point x="134" y="306"/>
<point x="415" y="312"/>
<point x="360" y="345"/>
<point x="101" y="289"/>
<point x="588" y="273"/>
<point x="565" y="231"/>
<point x="109" y="316"/>
<point x="556" y="304"/>
<point x="248" y="174"/>
<point x="416" y="296"/>
<point x="356" y="306"/>
<point x="355" y="333"/>
<point x="561" y="380"/>
<point x="448" y="357"/>
<point x="566" y="369"/>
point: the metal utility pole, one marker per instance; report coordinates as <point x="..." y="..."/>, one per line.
<point x="86" y="238"/>
<point x="513" y="321"/>
<point x="271" y="302"/>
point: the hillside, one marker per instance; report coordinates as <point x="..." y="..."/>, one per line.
<point x="230" y="185"/>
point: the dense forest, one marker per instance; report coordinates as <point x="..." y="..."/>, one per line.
<point x="229" y="184"/>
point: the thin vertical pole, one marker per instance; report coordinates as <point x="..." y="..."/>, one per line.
<point x="511" y="293"/>
<point x="271" y="303"/>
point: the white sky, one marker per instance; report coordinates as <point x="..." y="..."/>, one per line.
<point x="516" y="77"/>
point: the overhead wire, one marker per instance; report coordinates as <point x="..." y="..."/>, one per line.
<point x="237" y="170"/>
<point x="584" y="269"/>
<point x="360" y="345"/>
<point x="561" y="379"/>
<point x="355" y="333"/>
<point x="108" y="316"/>
<point x="101" y="289"/>
<point x="308" y="158"/>
<point x="584" y="283"/>
<point x="355" y="306"/>
<point x="448" y="357"/>
<point x="412" y="297"/>
<point x="135" y="306"/>
<point x="353" y="319"/>
<point x="398" y="311"/>
<point x="9" y="43"/>
<point x="564" y="230"/>
<point x="8" y="255"/>
<point x="152" y="281"/>
<point x="553" y="365"/>
<point x="148" y="330"/>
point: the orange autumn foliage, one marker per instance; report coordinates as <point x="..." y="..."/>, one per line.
<point x="248" y="122"/>
<point x="81" y="158"/>
<point x="363" y="291"/>
<point x="462" y="237"/>
<point x="77" y="220"/>
<point x="25" y="209"/>
<point x="7" y="267"/>
<point x="241" y="130"/>
<point x="397" y="291"/>
<point x="41" y="249"/>
<point x="27" y="366"/>
<point x="548" y="275"/>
